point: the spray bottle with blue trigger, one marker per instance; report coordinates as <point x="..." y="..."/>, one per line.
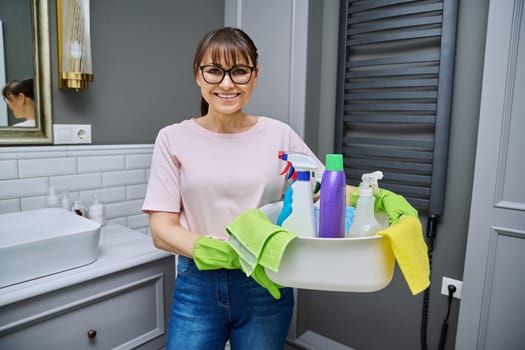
<point x="297" y="214"/>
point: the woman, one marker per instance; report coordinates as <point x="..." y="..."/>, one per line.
<point x="19" y="97"/>
<point x="205" y="172"/>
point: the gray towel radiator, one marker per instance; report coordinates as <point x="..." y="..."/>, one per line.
<point x="394" y="94"/>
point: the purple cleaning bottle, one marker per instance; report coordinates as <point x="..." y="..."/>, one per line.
<point x="332" y="206"/>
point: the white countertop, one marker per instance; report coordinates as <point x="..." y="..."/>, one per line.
<point x="119" y="248"/>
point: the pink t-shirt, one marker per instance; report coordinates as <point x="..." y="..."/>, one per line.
<point x="210" y="178"/>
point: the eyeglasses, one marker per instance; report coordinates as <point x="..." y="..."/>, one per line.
<point x="215" y="75"/>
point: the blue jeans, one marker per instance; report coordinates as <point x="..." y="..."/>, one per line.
<point x="210" y="307"/>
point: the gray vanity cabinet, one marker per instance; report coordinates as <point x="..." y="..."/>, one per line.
<point x="121" y="301"/>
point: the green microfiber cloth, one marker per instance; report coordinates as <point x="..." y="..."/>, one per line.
<point x="274" y="249"/>
<point x="257" y="240"/>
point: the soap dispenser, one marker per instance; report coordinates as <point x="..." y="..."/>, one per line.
<point x="78" y="207"/>
<point x="65" y="201"/>
<point x="52" y="199"/>
<point x="96" y="211"/>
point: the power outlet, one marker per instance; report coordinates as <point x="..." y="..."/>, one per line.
<point x="71" y="134"/>
<point x="445" y="284"/>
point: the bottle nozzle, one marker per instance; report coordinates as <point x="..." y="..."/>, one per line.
<point x="369" y="181"/>
<point x="299" y="161"/>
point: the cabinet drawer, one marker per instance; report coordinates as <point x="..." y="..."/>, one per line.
<point x="124" y="317"/>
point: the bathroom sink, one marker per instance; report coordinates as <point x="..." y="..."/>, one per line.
<point x="40" y="242"/>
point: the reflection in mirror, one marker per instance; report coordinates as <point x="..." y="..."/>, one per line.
<point x="25" y="115"/>
<point x="20" y="99"/>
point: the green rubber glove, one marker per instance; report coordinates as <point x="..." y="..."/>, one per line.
<point x="394" y="205"/>
<point x="213" y="254"/>
<point x="259" y="276"/>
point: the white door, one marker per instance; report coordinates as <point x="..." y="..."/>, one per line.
<point x="492" y="309"/>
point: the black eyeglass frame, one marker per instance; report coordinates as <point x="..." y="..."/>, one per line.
<point x="224" y="71"/>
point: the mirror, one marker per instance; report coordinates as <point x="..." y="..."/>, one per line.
<point x="42" y="132"/>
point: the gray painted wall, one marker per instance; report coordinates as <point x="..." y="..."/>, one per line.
<point x="16" y="21"/>
<point x="18" y="43"/>
<point x="142" y="64"/>
<point x="313" y="86"/>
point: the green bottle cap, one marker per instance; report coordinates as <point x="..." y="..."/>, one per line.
<point x="334" y="162"/>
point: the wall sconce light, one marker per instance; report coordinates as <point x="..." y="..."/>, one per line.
<point x="74" y="44"/>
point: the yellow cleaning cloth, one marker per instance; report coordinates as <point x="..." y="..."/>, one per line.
<point x="410" y="251"/>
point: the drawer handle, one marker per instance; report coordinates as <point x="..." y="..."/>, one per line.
<point x="91" y="334"/>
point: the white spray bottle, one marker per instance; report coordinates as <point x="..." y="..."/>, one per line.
<point x="365" y="223"/>
<point x="297" y="215"/>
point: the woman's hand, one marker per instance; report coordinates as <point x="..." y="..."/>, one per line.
<point x="394" y="205"/>
<point x="208" y="253"/>
<point x="212" y="254"/>
<point x="349" y="190"/>
<point x="168" y="235"/>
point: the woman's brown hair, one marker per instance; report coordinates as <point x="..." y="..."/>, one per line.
<point x="16" y="87"/>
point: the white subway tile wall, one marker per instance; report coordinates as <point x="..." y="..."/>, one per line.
<point x="8" y="169"/>
<point x="116" y="174"/>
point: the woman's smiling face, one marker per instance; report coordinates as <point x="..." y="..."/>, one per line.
<point x="226" y="97"/>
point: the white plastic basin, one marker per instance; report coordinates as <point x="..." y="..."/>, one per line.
<point x="40" y="242"/>
<point x="364" y="264"/>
